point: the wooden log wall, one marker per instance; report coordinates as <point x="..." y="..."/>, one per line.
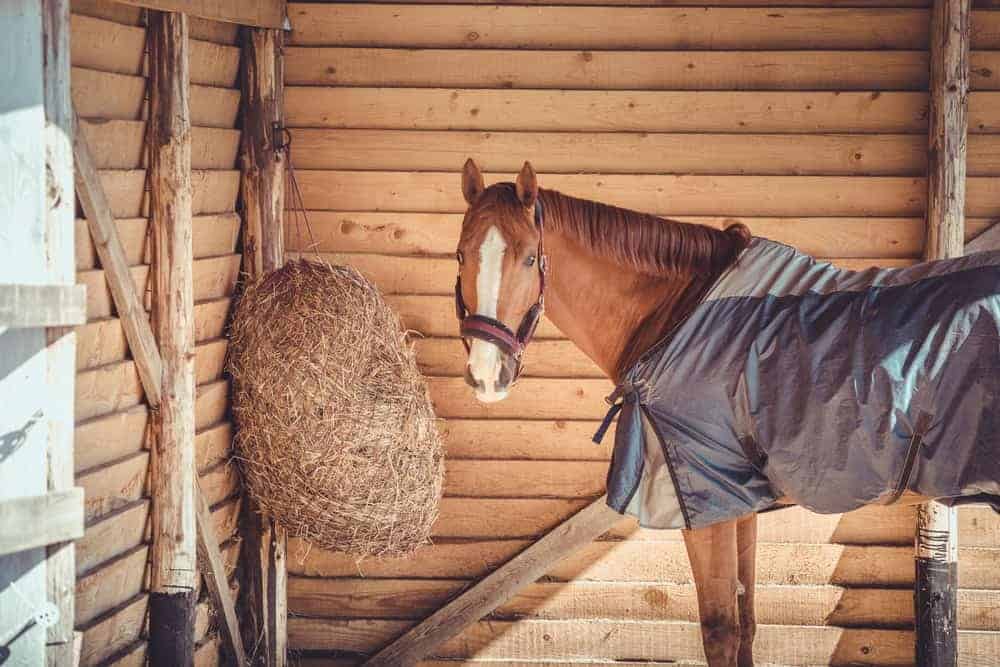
<point x="109" y="85"/>
<point x="808" y="123"/>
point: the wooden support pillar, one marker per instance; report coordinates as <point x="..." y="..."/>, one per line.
<point x="60" y="211"/>
<point x="935" y="598"/>
<point x="263" y="161"/>
<point x="174" y="551"/>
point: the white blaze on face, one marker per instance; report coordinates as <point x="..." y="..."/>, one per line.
<point x="484" y="358"/>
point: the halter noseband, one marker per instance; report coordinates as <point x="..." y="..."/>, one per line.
<point x="496" y="332"/>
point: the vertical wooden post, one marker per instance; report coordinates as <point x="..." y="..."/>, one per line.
<point x="59" y="229"/>
<point x="263" y="180"/>
<point x="174" y="552"/>
<point x="935" y="598"/>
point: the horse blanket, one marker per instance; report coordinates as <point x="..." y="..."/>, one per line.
<point x="829" y="388"/>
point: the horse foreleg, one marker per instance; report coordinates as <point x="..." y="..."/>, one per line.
<point x="714" y="555"/>
<point x="746" y="538"/>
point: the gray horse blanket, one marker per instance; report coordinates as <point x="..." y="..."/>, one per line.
<point x="830" y="388"/>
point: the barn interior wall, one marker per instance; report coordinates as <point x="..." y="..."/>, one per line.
<point x="807" y="123"/>
<point x="108" y="44"/>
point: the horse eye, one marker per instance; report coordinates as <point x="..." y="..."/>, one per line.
<point x="530" y="261"/>
<point x="460" y="257"/>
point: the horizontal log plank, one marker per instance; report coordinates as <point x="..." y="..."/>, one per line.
<point x="107" y="95"/>
<point x="709" y="28"/>
<point x="114" y="485"/>
<point x="108" y="586"/>
<point x="213" y="191"/>
<point x="110" y="46"/>
<point x="116" y="387"/>
<point x="214" y="278"/>
<point x="669" y="195"/>
<point x="623" y="70"/>
<point x="653" y="561"/>
<point x="573" y="639"/>
<point x="631" y="153"/>
<point x="524" y="479"/>
<point x="564" y="399"/>
<point x="260" y="13"/>
<point x="220" y="482"/>
<point x="475" y="518"/>
<point x="621" y="111"/>
<point x="513" y="439"/>
<point x="102" y="341"/>
<point x="628" y="601"/>
<point x="437" y="234"/>
<point x="119" y="144"/>
<point x="111" y="633"/>
<point x="435" y="276"/>
<point x="111" y="536"/>
<point x="213" y="445"/>
<point x="214" y="235"/>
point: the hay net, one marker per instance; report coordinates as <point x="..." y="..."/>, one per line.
<point x="336" y="432"/>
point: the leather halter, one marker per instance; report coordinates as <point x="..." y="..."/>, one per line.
<point x="496" y="332"/>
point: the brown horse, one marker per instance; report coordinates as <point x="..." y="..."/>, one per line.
<point x="652" y="271"/>
<point x="617" y="282"/>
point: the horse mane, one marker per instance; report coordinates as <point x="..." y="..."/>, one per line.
<point x="646" y="243"/>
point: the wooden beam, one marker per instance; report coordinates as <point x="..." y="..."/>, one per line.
<point x="218" y="582"/>
<point x="172" y="469"/>
<point x="109" y="249"/>
<point x="38" y="521"/>
<point x="936" y="542"/>
<point x="263" y="156"/>
<point x="263" y="160"/>
<point x="60" y="229"/>
<point x="42" y="305"/>
<point x="500" y="586"/>
<point x="261" y="13"/>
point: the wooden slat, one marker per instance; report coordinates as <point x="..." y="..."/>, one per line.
<point x="635" y="28"/>
<point x="108" y="46"/>
<point x="37" y="521"/>
<point x="670" y="195"/>
<point x="623" y="70"/>
<point x="113" y="535"/>
<point x="106" y="389"/>
<point x="118" y="144"/>
<point x="564" y="399"/>
<point x="521" y="439"/>
<point x="220" y="482"/>
<point x="985" y="240"/>
<point x="108" y="586"/>
<point x="437" y="234"/>
<point x="264" y="13"/>
<point x="113" y="632"/>
<point x="213" y="31"/>
<point x="114" y="485"/>
<point x="631" y="153"/>
<point x="111" y="11"/>
<point x="214" y="445"/>
<point x="633" y="111"/>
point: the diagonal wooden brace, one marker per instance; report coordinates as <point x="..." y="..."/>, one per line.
<point x="142" y="344"/>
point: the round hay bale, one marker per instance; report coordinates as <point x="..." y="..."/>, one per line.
<point x="337" y="435"/>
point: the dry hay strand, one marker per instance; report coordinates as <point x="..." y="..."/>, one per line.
<point x="337" y="435"/>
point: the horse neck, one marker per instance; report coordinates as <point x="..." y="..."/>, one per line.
<point x="612" y="313"/>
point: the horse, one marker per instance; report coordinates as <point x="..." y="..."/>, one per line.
<point x="730" y="355"/>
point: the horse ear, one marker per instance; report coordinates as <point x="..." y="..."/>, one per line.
<point x="527" y="185"/>
<point x="472" y="181"/>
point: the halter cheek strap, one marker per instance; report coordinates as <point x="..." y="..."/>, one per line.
<point x="496" y="332"/>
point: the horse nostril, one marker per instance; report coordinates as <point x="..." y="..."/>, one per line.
<point x="471" y="381"/>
